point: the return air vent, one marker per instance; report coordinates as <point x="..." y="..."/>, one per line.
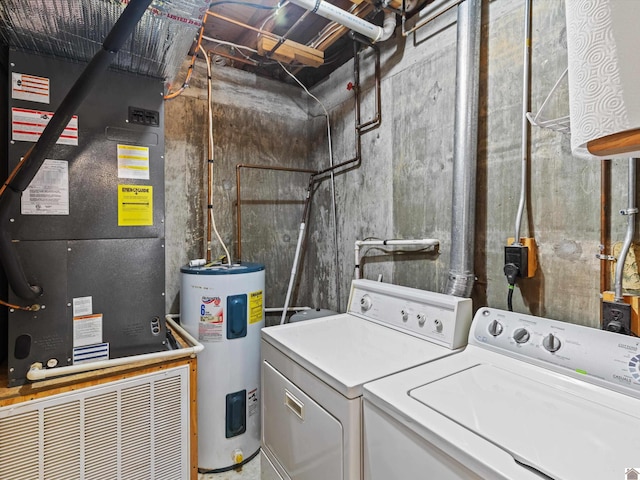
<point x="135" y="428"/>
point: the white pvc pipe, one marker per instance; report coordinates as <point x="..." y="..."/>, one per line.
<point x="346" y="19"/>
<point x="290" y="309"/>
<point x="423" y="242"/>
<point x="294" y="270"/>
<point x="38" y="372"/>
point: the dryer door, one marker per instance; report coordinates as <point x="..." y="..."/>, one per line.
<point x="304" y="438"/>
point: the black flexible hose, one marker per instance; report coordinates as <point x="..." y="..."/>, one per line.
<point x="34" y="159"/>
<point x="510" y="299"/>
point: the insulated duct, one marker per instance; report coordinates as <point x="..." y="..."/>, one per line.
<point x="461" y="276"/>
<point x="352" y="22"/>
<point x="75" y="29"/>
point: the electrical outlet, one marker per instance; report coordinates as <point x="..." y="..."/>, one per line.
<point x="616" y="317"/>
<point x="519" y="256"/>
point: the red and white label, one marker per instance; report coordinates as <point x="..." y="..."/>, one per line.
<point x="28" y="125"/>
<point x="29" y="87"/>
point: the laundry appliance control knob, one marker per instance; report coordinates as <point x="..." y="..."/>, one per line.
<point x="521" y="335"/>
<point x="551" y="343"/>
<point x="495" y="328"/>
<point x="365" y="303"/>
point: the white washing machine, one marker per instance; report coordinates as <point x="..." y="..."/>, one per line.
<point x="528" y="399"/>
<point x="313" y="373"/>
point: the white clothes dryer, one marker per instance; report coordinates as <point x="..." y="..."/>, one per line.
<point x="313" y="373"/>
<point x="528" y="399"/>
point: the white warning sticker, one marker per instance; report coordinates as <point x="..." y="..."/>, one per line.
<point x="82" y="306"/>
<point x="87" y="330"/>
<point x="27" y="126"/>
<point x="133" y="162"/>
<point x="29" y="87"/>
<point x="48" y="192"/>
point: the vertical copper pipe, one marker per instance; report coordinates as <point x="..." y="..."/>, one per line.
<point x="605" y="229"/>
<point x="239" y="196"/>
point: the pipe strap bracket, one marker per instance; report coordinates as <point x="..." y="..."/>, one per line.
<point x="629" y="211"/>
<point x="317" y="6"/>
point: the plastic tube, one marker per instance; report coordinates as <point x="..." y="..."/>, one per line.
<point x="336" y="14"/>
<point x="294" y="271"/>
<point x="38" y="372"/>
<point x="425" y="242"/>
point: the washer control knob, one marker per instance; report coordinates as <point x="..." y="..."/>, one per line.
<point x="521" y="335"/>
<point x="495" y="328"/>
<point x="421" y="319"/>
<point x="551" y="343"/>
<point x="405" y="315"/>
<point x="437" y="324"/>
<point x="365" y="303"/>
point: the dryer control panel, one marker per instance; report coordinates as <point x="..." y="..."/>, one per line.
<point x="593" y="355"/>
<point x="439" y="318"/>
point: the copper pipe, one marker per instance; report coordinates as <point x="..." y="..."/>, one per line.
<point x="239" y="196"/>
<point x="605" y="230"/>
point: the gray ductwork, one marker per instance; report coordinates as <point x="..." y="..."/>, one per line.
<point x="461" y="275"/>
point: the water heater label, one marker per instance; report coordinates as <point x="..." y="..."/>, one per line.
<point x="211" y="326"/>
<point x="255" y="307"/>
<point x="48" y="192"/>
<point x="253" y="404"/>
<point x="29" y="87"/>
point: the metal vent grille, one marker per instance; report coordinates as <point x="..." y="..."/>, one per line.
<point x="101" y="436"/>
<point x="19" y="445"/>
<point x="62" y="441"/>
<point x="75" y="30"/>
<point x="129" y="429"/>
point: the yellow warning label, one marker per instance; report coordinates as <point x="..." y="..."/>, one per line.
<point x="255" y="307"/>
<point x="135" y="205"/>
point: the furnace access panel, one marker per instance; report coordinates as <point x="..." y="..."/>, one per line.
<point x="90" y="228"/>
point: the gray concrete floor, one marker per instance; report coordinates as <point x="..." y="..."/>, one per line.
<point x="250" y="471"/>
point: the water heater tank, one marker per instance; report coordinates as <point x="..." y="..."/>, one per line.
<point x="223" y="306"/>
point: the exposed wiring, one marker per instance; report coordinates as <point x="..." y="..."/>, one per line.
<point x="31" y="308"/>
<point x="510" y="298"/>
<point x="333" y="191"/>
<point x="210" y="160"/>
